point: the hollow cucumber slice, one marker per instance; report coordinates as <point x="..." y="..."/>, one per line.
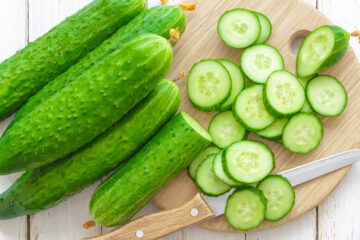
<point x="220" y="173"/>
<point x="212" y="150"/>
<point x="266" y="28"/>
<point x="274" y="131"/>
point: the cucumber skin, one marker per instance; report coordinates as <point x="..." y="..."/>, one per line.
<point x="45" y="187"/>
<point x="41" y="61"/>
<point x="88" y="106"/>
<point x="341" y="44"/>
<point x="166" y="17"/>
<point x="164" y="157"/>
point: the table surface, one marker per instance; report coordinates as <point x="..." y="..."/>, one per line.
<point x="338" y="217"/>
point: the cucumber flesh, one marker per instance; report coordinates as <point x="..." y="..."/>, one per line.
<point x="304" y="80"/>
<point x="239" y="28"/>
<point x="326" y="95"/>
<point x="248" y="161"/>
<point x="219" y="172"/>
<point x="212" y="150"/>
<point x="208" y="85"/>
<point x="266" y="28"/>
<point x="302" y="133"/>
<point x="225" y="130"/>
<point x="245" y="208"/>
<point x="274" y="131"/>
<point x="207" y="181"/>
<point x="259" y="61"/>
<point x="280" y="196"/>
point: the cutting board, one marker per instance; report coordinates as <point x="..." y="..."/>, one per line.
<point x="291" y="19"/>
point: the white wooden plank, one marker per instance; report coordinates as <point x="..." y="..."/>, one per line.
<point x="13" y="24"/>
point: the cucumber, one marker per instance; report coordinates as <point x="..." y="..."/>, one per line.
<point x="280" y="196"/>
<point x="266" y="28"/>
<point x="245" y="208"/>
<point x="208" y="85"/>
<point x="326" y="95"/>
<point x="321" y="49"/>
<point x="306" y="108"/>
<point x="302" y="133"/>
<point x="284" y="94"/>
<point x="164" y="157"/>
<point x="79" y="112"/>
<point x="207" y="181"/>
<point x="41" y="61"/>
<point x="239" y="28"/>
<point x="225" y="130"/>
<point x="237" y="83"/>
<point x="219" y="172"/>
<point x="248" y="161"/>
<point x="45" y="187"/>
<point x="212" y="150"/>
<point x="305" y="80"/>
<point x="259" y="61"/>
<point x="274" y="131"/>
<point x="250" y="111"/>
<point x="158" y="20"/>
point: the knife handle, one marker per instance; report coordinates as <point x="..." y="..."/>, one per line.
<point x="158" y="224"/>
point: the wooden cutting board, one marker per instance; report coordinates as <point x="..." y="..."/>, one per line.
<point x="291" y="19"/>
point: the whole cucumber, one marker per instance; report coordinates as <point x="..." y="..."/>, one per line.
<point x="164" y="157"/>
<point x="45" y="187"/>
<point x="87" y="106"/>
<point x="158" y="20"/>
<point x="41" y="61"/>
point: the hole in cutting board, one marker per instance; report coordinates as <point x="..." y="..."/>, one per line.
<point x="296" y="40"/>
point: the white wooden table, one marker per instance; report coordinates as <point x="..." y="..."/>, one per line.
<point x="338" y="217"/>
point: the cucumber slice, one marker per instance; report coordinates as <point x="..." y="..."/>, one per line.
<point x="208" y="85"/>
<point x="212" y="150"/>
<point x="274" y="131"/>
<point x="306" y="108"/>
<point x="304" y="80"/>
<point x="248" y="161"/>
<point x="250" y="111"/>
<point x="218" y="170"/>
<point x="326" y="95"/>
<point x="237" y="82"/>
<point x="302" y="133"/>
<point x="259" y="61"/>
<point x="321" y="49"/>
<point x="246" y="208"/>
<point x="248" y="82"/>
<point x="266" y="28"/>
<point x="239" y="28"/>
<point x="284" y="94"/>
<point x="225" y="130"/>
<point x="280" y="196"/>
<point x="207" y="181"/>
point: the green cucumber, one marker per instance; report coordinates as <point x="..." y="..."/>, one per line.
<point x="158" y="20"/>
<point x="321" y="49"/>
<point x="266" y="28"/>
<point x="79" y="112"/>
<point x="45" y="187"/>
<point x="274" y="131"/>
<point x="304" y="80"/>
<point x="41" y="61"/>
<point x="212" y="150"/>
<point x="164" y="157"/>
<point x="219" y="172"/>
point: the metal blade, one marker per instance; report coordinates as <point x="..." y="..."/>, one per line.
<point x="297" y="175"/>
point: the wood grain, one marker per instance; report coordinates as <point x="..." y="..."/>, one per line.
<point x="290" y="19"/>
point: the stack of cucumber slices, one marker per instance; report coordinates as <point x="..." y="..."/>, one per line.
<point x="261" y="96"/>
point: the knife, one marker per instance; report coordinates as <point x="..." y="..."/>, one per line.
<point x="203" y="207"/>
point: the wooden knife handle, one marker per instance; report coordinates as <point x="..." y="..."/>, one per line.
<point x="161" y="223"/>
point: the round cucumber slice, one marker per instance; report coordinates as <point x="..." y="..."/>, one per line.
<point x="239" y="28"/>
<point x="302" y="133"/>
<point x="245" y="208"/>
<point x="250" y="111"/>
<point x="259" y="61"/>
<point x="219" y="171"/>
<point x="248" y="161"/>
<point x="326" y="95"/>
<point x="225" y="130"/>
<point x="274" y="131"/>
<point x="237" y="83"/>
<point x="212" y="150"/>
<point x="207" y="181"/>
<point x="266" y="28"/>
<point x="208" y="85"/>
<point x="284" y="94"/>
<point x="280" y="196"/>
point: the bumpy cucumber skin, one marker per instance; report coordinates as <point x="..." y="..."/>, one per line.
<point x="157" y="20"/>
<point x="293" y="192"/>
<point x="164" y="157"/>
<point x="342" y="38"/>
<point x="79" y="112"/>
<point x="41" y="61"/>
<point x="255" y="191"/>
<point x="45" y="187"/>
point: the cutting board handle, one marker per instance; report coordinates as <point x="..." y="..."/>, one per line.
<point x="162" y="223"/>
